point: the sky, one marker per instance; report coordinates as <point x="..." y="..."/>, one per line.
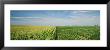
<point x="55" y="17"/>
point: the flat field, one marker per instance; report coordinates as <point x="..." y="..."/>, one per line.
<point x="78" y="32"/>
<point x="23" y="32"/>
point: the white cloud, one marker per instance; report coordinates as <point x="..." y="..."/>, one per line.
<point x="83" y="11"/>
<point x="80" y="11"/>
<point x="55" y="21"/>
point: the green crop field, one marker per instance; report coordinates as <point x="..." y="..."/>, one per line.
<point x="20" y="32"/>
<point x="32" y="32"/>
<point x="78" y="33"/>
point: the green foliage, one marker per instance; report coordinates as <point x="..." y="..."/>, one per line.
<point x="50" y="32"/>
<point x="32" y="32"/>
<point x="78" y="32"/>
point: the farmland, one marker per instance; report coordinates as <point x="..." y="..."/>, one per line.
<point x="20" y="32"/>
<point x="78" y="33"/>
<point x="32" y="32"/>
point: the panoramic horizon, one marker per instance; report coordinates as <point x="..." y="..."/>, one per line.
<point x="55" y="17"/>
<point x="55" y="25"/>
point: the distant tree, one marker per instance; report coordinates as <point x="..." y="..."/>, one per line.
<point x="96" y="25"/>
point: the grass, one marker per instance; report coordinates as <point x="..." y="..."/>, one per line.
<point x="20" y="32"/>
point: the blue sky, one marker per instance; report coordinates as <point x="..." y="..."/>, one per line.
<point x="55" y="17"/>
